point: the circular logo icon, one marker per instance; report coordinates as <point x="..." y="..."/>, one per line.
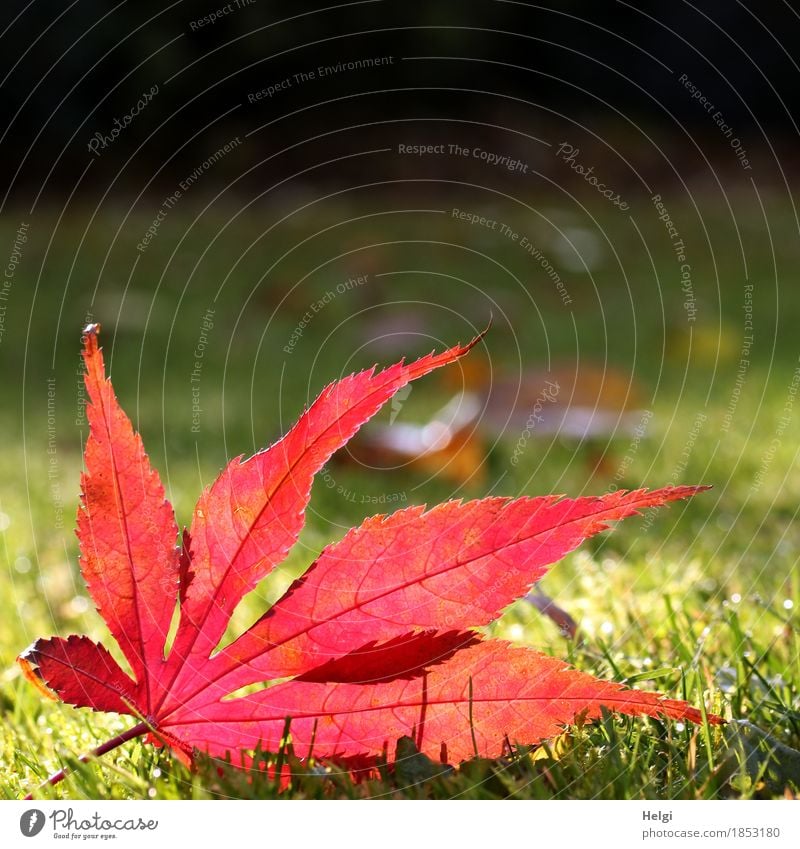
<point x="31" y="822"/>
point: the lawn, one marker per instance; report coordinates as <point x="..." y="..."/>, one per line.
<point x="698" y="601"/>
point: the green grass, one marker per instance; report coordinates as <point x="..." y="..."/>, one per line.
<point x="699" y="604"/>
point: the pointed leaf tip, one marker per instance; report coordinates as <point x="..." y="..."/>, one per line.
<point x="89" y="335"/>
<point x="126" y="529"/>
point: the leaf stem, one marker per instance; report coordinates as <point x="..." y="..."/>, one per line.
<point x="130" y="734"/>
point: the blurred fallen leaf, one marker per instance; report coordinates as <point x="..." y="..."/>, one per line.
<point x="448" y="444"/>
<point x="546" y="606"/>
<point x="706" y="344"/>
<point x="582" y="402"/>
<point x="574" y="400"/>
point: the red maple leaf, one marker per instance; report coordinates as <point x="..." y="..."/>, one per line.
<point x="374" y="642"/>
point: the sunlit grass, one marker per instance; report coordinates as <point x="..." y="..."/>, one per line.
<point x="698" y="604"/>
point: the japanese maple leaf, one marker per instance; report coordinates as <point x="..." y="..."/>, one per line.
<point x="375" y="642"/>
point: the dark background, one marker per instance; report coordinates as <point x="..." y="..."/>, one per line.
<point x="70" y="70"/>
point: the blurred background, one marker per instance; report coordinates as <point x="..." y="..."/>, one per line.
<point x="255" y="198"/>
